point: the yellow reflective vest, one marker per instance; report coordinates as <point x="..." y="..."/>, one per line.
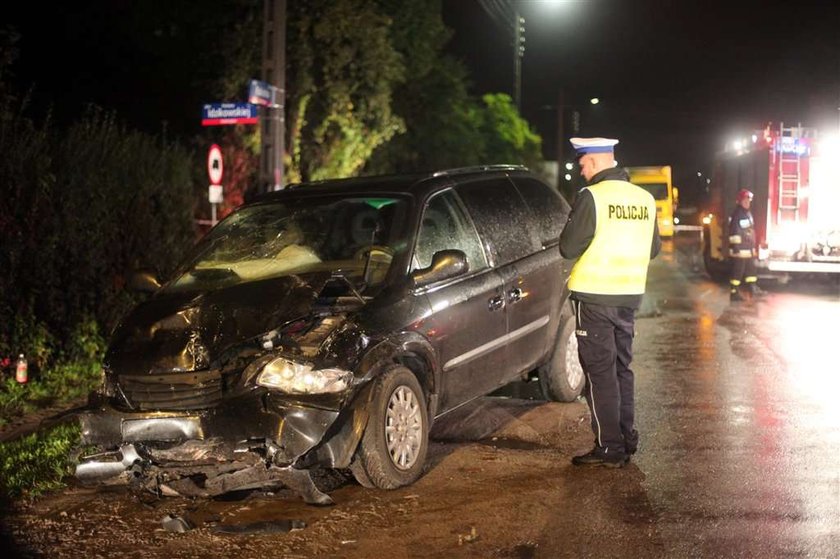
<point x="616" y="261"/>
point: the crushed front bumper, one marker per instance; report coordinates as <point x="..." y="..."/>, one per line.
<point x="252" y="441"/>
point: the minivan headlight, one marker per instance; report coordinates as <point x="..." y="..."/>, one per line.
<point x="300" y="378"/>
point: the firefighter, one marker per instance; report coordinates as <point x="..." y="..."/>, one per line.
<point x="612" y="231"/>
<point x="742" y="247"/>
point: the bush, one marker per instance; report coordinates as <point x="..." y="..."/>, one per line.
<point x="80" y="209"/>
<point x="38" y="462"/>
<point x="72" y="375"/>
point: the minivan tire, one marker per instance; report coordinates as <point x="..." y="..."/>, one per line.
<point x="399" y="416"/>
<point x="562" y="378"/>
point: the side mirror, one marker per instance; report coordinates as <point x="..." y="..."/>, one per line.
<point x="445" y="264"/>
<point x="143" y="282"/>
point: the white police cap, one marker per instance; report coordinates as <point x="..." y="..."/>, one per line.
<point x="592" y="145"/>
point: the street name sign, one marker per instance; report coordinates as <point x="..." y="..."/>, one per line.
<point x="219" y="114"/>
<point x="262" y="93"/>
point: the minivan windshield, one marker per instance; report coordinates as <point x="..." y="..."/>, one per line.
<point x="307" y="234"/>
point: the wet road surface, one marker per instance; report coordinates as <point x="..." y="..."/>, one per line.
<point x="738" y="458"/>
<point x="738" y="410"/>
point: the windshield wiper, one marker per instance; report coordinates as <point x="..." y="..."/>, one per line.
<point x="213" y="273"/>
<point x="338" y="274"/>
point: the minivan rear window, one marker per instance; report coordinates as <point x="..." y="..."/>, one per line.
<point x="502" y="217"/>
<point x="548" y="207"/>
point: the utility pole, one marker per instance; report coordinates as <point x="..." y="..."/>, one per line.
<point x="518" y="53"/>
<point x="273" y="129"/>
<point x="561" y="108"/>
<point x="503" y="13"/>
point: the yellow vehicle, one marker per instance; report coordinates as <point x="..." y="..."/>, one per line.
<point x="657" y="181"/>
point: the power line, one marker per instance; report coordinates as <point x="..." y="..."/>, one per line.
<point x="496" y="10"/>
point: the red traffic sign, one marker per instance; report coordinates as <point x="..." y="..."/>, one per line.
<point x="215" y="166"/>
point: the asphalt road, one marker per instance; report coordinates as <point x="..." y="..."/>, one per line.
<point x="736" y="406"/>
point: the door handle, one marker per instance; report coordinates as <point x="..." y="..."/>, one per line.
<point x="514" y="295"/>
<point x="496" y="303"/>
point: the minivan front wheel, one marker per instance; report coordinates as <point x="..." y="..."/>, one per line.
<point x="393" y="449"/>
<point x="561" y="379"/>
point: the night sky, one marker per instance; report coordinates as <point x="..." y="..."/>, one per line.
<point x="677" y="79"/>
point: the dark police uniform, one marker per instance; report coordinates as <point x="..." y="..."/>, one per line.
<point x="742" y="251"/>
<point x="613" y="233"/>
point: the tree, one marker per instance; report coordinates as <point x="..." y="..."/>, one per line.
<point x="445" y="126"/>
<point x="341" y="74"/>
<point x="79" y="210"/>
<point x="509" y="137"/>
<point x="442" y="121"/>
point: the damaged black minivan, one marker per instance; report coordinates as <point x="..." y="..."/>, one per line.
<point x="327" y="326"/>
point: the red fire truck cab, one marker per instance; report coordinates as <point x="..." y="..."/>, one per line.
<point x="794" y="175"/>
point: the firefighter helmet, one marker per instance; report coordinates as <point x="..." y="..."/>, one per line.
<point x="744" y="194"/>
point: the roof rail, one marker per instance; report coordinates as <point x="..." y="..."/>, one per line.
<point x="479" y="168"/>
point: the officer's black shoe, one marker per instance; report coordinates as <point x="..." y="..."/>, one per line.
<point x="600" y="457"/>
<point x="734" y="296"/>
<point x="631" y="444"/>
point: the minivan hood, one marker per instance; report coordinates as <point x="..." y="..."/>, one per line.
<point x="180" y="332"/>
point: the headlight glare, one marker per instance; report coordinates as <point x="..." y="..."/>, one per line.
<point x="300" y="378"/>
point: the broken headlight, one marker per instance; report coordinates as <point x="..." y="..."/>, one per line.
<point x="300" y="378"/>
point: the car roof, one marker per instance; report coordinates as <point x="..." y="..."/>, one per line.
<point x="417" y="184"/>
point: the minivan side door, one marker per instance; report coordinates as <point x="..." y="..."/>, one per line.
<point x="531" y="274"/>
<point x="467" y="319"/>
<point x="549" y="213"/>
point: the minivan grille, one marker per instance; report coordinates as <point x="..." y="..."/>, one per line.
<point x="172" y="391"/>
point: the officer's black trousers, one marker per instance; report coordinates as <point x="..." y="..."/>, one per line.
<point x="605" y="347"/>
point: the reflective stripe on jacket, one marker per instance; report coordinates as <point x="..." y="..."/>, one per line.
<point x="616" y="261"/>
<point x="741" y="233"/>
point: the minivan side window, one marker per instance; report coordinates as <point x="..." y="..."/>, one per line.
<point x="549" y="208"/>
<point x="445" y="225"/>
<point x="502" y="217"/>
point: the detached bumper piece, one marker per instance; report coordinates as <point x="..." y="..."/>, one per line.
<point x="197" y="469"/>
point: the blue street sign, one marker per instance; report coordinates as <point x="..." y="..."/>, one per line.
<point x="218" y="114"/>
<point x="262" y="93"/>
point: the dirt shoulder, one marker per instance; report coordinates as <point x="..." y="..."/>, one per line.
<point x="498" y="484"/>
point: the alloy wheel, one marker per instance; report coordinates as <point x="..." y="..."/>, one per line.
<point x="403" y="428"/>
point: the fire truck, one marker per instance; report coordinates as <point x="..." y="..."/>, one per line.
<point x="794" y="175"/>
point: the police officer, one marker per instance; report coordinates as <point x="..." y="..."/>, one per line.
<point x="612" y="231"/>
<point x="742" y="247"/>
